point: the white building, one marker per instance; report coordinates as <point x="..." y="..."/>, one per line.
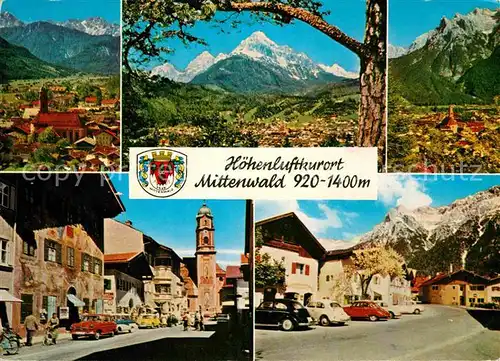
<point x="286" y="239"/>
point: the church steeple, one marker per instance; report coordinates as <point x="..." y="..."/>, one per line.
<point x="205" y="230"/>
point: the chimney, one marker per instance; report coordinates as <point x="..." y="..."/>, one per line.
<point x="44" y="100"/>
<point x="128" y="223"/>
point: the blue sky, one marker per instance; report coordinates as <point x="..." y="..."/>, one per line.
<point x="173" y="222"/>
<point x="344" y="221"/>
<point x="60" y="10"/>
<point x="411" y="18"/>
<point x="348" y="15"/>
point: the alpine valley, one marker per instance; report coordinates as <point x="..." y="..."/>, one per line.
<point x="59" y="93"/>
<point x="444" y="92"/>
<point x="270" y="94"/>
<point x="465" y="233"/>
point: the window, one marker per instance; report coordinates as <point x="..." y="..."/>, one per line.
<point x="86" y="308"/>
<point x="480" y="300"/>
<point x="495" y="289"/>
<point x="280" y="306"/>
<point x="163" y="289"/>
<point x="107" y="284"/>
<point x="4" y="252"/>
<point x="453" y="287"/>
<point x="435" y="287"/>
<point x="376" y="280"/>
<point x="327" y="278"/>
<point x="472" y="300"/>
<point x="97" y="266"/>
<point x="461" y="288"/>
<point x="205" y="240"/>
<point x="266" y="305"/>
<point x="86" y="262"/>
<point x="52" y="251"/>
<point x="71" y="257"/>
<point x="49" y="304"/>
<point x="26" y="306"/>
<point x="7" y="196"/>
<point x="28" y="249"/>
<point x="476" y="288"/>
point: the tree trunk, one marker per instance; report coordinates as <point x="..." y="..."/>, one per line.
<point x="372" y="117"/>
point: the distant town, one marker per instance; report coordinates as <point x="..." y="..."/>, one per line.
<point x="66" y="125"/>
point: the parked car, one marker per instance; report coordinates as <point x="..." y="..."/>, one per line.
<point x="367" y="310"/>
<point x="125" y="324"/>
<point x="394" y="310"/>
<point x="284" y="313"/>
<point x="93" y="326"/>
<point x="148" y="321"/>
<point x="412" y="307"/>
<point x="327" y="312"/>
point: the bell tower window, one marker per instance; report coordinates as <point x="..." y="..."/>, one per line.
<point x="205" y="240"/>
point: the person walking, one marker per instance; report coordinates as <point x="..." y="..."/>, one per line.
<point x="53" y="324"/>
<point x="196" y="320"/>
<point x="185" y="321"/>
<point x="31" y="325"/>
<point x="202" y="325"/>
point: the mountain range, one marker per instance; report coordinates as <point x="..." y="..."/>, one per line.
<point x="67" y="47"/>
<point x="91" y="26"/>
<point x="464" y="233"/>
<point x="439" y="66"/>
<point x="257" y="64"/>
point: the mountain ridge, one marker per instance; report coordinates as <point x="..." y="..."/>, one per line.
<point x="281" y="59"/>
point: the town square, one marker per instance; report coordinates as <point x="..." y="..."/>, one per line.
<point x="411" y="276"/>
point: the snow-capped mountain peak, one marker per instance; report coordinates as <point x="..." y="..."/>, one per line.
<point x="7" y="20"/>
<point x="458" y="29"/>
<point x="337" y="70"/>
<point x="92" y="26"/>
<point x="258" y="47"/>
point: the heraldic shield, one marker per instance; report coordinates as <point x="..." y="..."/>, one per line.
<point x="161" y="172"/>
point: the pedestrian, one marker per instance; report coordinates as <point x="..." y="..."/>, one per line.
<point x="185" y="321"/>
<point x="53" y="324"/>
<point x="196" y="320"/>
<point x="31" y="326"/>
<point x="202" y="325"/>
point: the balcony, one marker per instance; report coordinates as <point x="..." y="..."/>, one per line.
<point x="163" y="297"/>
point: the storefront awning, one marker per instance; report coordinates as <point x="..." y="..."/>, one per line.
<point x="75" y="301"/>
<point x="5" y="296"/>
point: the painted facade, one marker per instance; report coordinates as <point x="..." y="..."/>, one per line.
<point x="122" y="293"/>
<point x="66" y="260"/>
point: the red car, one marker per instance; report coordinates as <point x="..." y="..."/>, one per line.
<point x="93" y="326"/>
<point x="367" y="310"/>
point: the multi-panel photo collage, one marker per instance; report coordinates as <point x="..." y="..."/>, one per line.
<point x="249" y="180"/>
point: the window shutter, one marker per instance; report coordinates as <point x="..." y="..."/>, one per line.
<point x="58" y="253"/>
<point x="45" y="249"/>
<point x="294" y="268"/>
<point x="307" y="270"/>
<point x="13" y="198"/>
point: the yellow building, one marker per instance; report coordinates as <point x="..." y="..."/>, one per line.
<point x="461" y="288"/>
<point x="493" y="291"/>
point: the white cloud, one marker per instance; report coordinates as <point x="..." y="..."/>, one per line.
<point x="329" y="218"/>
<point x="403" y="191"/>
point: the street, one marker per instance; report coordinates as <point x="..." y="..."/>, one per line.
<point x="83" y="348"/>
<point x="440" y="333"/>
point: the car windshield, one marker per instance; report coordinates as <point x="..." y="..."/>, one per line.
<point x="334" y="305"/>
<point x="148" y="317"/>
<point x="90" y="318"/>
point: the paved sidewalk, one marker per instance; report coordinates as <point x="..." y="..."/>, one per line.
<point x="62" y="335"/>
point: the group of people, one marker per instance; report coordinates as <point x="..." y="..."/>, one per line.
<point x="31" y="324"/>
<point x="198" y="321"/>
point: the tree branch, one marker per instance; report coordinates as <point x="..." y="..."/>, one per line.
<point x="303" y="15"/>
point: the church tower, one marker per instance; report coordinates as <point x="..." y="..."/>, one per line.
<point x="205" y="262"/>
<point x="44" y="100"/>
